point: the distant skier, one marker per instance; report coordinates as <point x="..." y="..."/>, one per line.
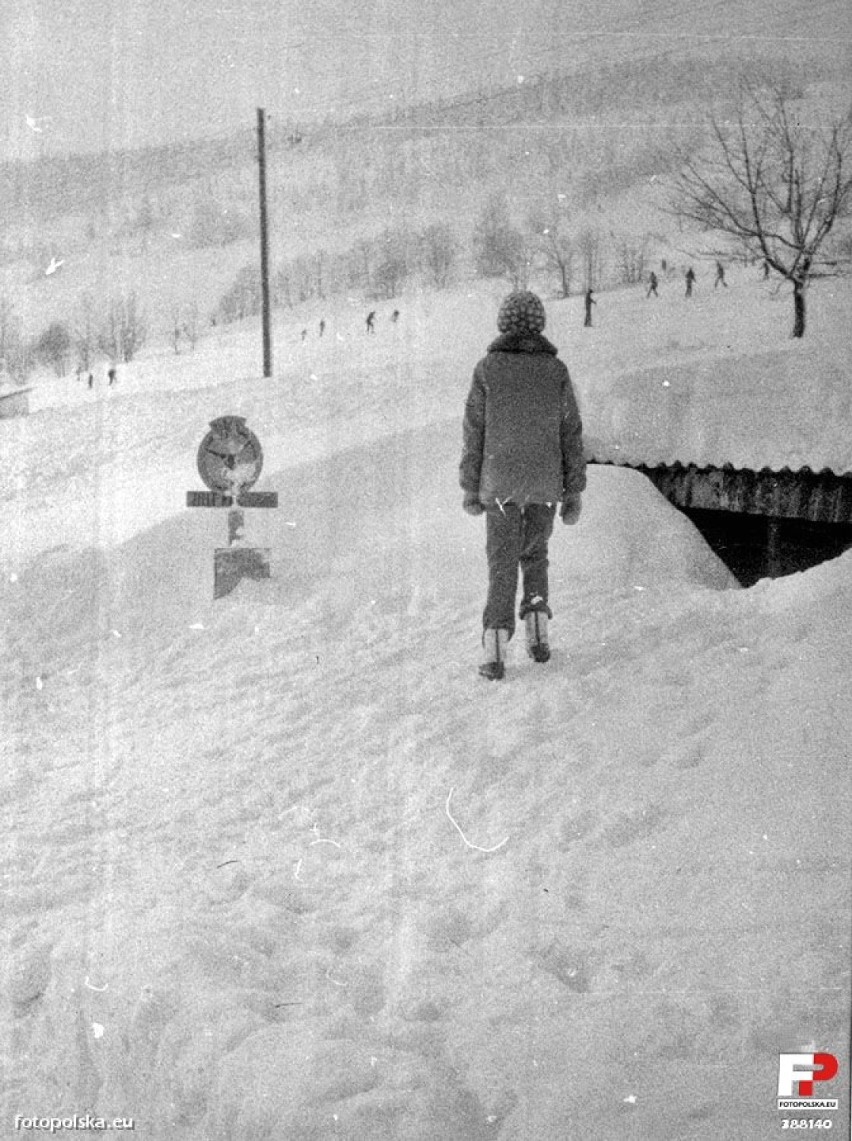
<point x="690" y="281"/>
<point x="91" y="380"/>
<point x="304" y="334"/>
<point x="652" y="285"/>
<point x="371" y="319"/>
<point x="112" y="376"/>
<point x="395" y="316"/>
<point x="720" y="276"/>
<point x="588" y="302"/>
<point x="522" y="453"/>
<point x="322" y="326"/>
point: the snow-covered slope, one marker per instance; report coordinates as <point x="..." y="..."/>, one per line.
<point x="283" y="866"/>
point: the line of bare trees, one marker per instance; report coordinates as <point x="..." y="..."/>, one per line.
<point x="116" y="332"/>
<point x="378" y="267"/>
<point x="577" y="257"/>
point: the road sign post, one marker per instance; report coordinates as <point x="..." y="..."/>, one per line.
<point x="229" y="461"/>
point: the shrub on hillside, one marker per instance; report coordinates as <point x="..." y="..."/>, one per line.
<point x="53" y="347"/>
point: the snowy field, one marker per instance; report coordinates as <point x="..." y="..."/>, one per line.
<point x="283" y="867"/>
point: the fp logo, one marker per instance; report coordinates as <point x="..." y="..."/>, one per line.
<point x="803" y="1070"/>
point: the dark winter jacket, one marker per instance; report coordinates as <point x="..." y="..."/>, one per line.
<point x="522" y="429"/>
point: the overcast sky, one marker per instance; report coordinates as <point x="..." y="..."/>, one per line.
<point x="100" y="74"/>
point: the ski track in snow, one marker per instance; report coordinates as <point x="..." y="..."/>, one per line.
<point x="227" y="839"/>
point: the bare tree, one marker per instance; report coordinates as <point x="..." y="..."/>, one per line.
<point x="360" y="260"/>
<point x="10" y="325"/>
<point x="500" y="250"/>
<point x="145" y="222"/>
<point x="772" y="182"/>
<point x="176" y="328"/>
<point x="320" y="258"/>
<point x="17" y="354"/>
<point x="554" y="245"/>
<point x="302" y="278"/>
<point x="192" y="324"/>
<point x="283" y="286"/>
<point x="438" y="252"/>
<point x="632" y="256"/>
<point x="84" y="332"/>
<point x="391" y="266"/>
<point x="124" y="330"/>
<point x="590" y="248"/>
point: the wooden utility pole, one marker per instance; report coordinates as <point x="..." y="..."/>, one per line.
<point x="264" y="244"/>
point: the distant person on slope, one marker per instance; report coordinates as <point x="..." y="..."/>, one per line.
<point x="690" y="281"/>
<point x="588" y="302"/>
<point x="720" y="276"/>
<point x="371" y="321"/>
<point x="652" y="285"/>
<point x="522" y="453"/>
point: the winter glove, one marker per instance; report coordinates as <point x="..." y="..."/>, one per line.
<point x="570" y="510"/>
<point x="472" y="505"/>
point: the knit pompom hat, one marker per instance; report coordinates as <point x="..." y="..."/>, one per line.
<point x="521" y="312"/>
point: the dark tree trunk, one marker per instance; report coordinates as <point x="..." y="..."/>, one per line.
<point x="798" y="309"/>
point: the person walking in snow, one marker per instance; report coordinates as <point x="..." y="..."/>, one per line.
<point x="522" y="454"/>
<point x="690" y="281"/>
<point x="652" y="285"/>
<point x="720" y="276"/>
<point x="588" y="302"/>
<point x="371" y="318"/>
<point x="322" y="326"/>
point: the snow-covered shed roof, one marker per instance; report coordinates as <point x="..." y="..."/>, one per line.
<point x="786" y="408"/>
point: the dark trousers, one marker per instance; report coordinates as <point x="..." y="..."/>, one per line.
<point x="516" y="537"/>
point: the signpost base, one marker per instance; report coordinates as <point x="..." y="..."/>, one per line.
<point x="232" y="564"/>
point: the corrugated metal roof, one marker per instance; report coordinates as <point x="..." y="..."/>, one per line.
<point x="821" y="497"/>
<point x="786" y="409"/>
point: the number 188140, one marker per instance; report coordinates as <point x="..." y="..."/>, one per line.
<point x="806" y="1123"/>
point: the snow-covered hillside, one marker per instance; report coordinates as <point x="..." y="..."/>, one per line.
<point x="284" y="866"/>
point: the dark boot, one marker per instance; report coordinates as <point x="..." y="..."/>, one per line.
<point x="537" y="643"/>
<point x="494" y="643"/>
